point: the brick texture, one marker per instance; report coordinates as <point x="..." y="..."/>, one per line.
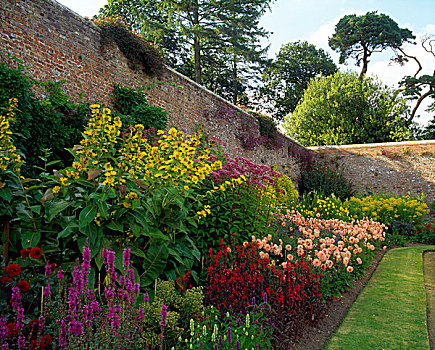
<point x="58" y="44"/>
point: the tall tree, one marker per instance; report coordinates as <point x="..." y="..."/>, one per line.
<point x="360" y="36"/>
<point x="287" y="77"/>
<point x="241" y="33"/>
<point x="346" y="109"/>
<point x="217" y="32"/>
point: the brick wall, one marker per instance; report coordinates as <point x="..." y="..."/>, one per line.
<point x="58" y="44"/>
<point x="396" y="168"/>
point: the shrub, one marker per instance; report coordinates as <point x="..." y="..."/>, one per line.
<point x="150" y="117"/>
<point x="54" y="122"/>
<point x="243" y="204"/>
<point x="125" y="99"/>
<point x="388" y="209"/>
<point x="325" y="182"/>
<point x="134" y="109"/>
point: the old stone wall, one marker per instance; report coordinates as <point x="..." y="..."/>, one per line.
<point x="57" y="44"/>
<point x="397" y="168"/>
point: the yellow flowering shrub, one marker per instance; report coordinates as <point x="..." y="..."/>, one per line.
<point x="175" y="159"/>
<point x="329" y="208"/>
<point x="285" y="193"/>
<point x="387" y="209"/>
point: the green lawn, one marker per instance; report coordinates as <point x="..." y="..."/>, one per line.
<point x="390" y="313"/>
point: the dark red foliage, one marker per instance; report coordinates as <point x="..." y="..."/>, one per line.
<point x="13" y="270"/>
<point x="237" y="278"/>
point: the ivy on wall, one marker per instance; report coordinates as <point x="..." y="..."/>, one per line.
<point x="140" y="53"/>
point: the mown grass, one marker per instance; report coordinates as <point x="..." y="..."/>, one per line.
<point x="390" y="313"/>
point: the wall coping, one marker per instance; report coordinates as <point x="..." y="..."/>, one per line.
<point x="370" y="145"/>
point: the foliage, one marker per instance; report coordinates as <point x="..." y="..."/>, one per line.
<point x="360" y="36"/>
<point x="54" y="122"/>
<point x="345" y="109"/>
<point x="238" y="277"/>
<point x="248" y="331"/>
<point x="285" y="191"/>
<point x="338" y="249"/>
<point x="181" y="309"/>
<point x="424" y="233"/>
<point x="150" y="117"/>
<point x="325" y="181"/>
<point x="287" y="77"/>
<point x="125" y="99"/>
<point x="140" y="53"/>
<point x="215" y="43"/>
<point x="77" y="311"/>
<point x="312" y="204"/>
<point x="134" y="108"/>
<point x="388" y="209"/>
<point x="239" y="198"/>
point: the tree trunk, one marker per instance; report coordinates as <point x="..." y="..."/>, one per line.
<point x="235" y="82"/>
<point x="365" y="63"/>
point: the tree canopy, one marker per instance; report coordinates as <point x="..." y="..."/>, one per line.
<point x="287" y="77"/>
<point x="360" y="36"/>
<point x="346" y="109"/>
<point x="215" y="42"/>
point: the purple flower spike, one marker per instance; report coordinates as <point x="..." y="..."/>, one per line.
<point x="163" y="313"/>
<point x="126" y="258"/>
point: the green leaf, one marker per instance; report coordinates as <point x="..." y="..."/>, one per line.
<point x="87" y="215"/>
<point x="36" y="209"/>
<point x="57" y="207"/>
<point x="154" y="263"/>
<point x="6" y="194"/>
<point x="64" y="233"/>
<point x="176" y="255"/>
<point x="115" y="226"/>
<point x="30" y="238"/>
<point x="102" y="209"/>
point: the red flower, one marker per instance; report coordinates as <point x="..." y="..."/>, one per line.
<point x="33" y="326"/>
<point x="5" y="280"/>
<point x="36" y="253"/>
<point x="13" y="270"/>
<point x="23" y="285"/>
<point x="25" y="253"/>
<point x="45" y="341"/>
<point x="12" y="329"/>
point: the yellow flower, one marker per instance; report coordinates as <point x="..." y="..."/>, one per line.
<point x="56" y="189"/>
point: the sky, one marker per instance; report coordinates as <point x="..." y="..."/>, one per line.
<point x="315" y="20"/>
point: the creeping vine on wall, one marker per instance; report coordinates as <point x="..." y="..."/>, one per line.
<point x="140" y="53"/>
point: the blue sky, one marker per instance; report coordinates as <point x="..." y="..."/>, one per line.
<point x="315" y="20"/>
